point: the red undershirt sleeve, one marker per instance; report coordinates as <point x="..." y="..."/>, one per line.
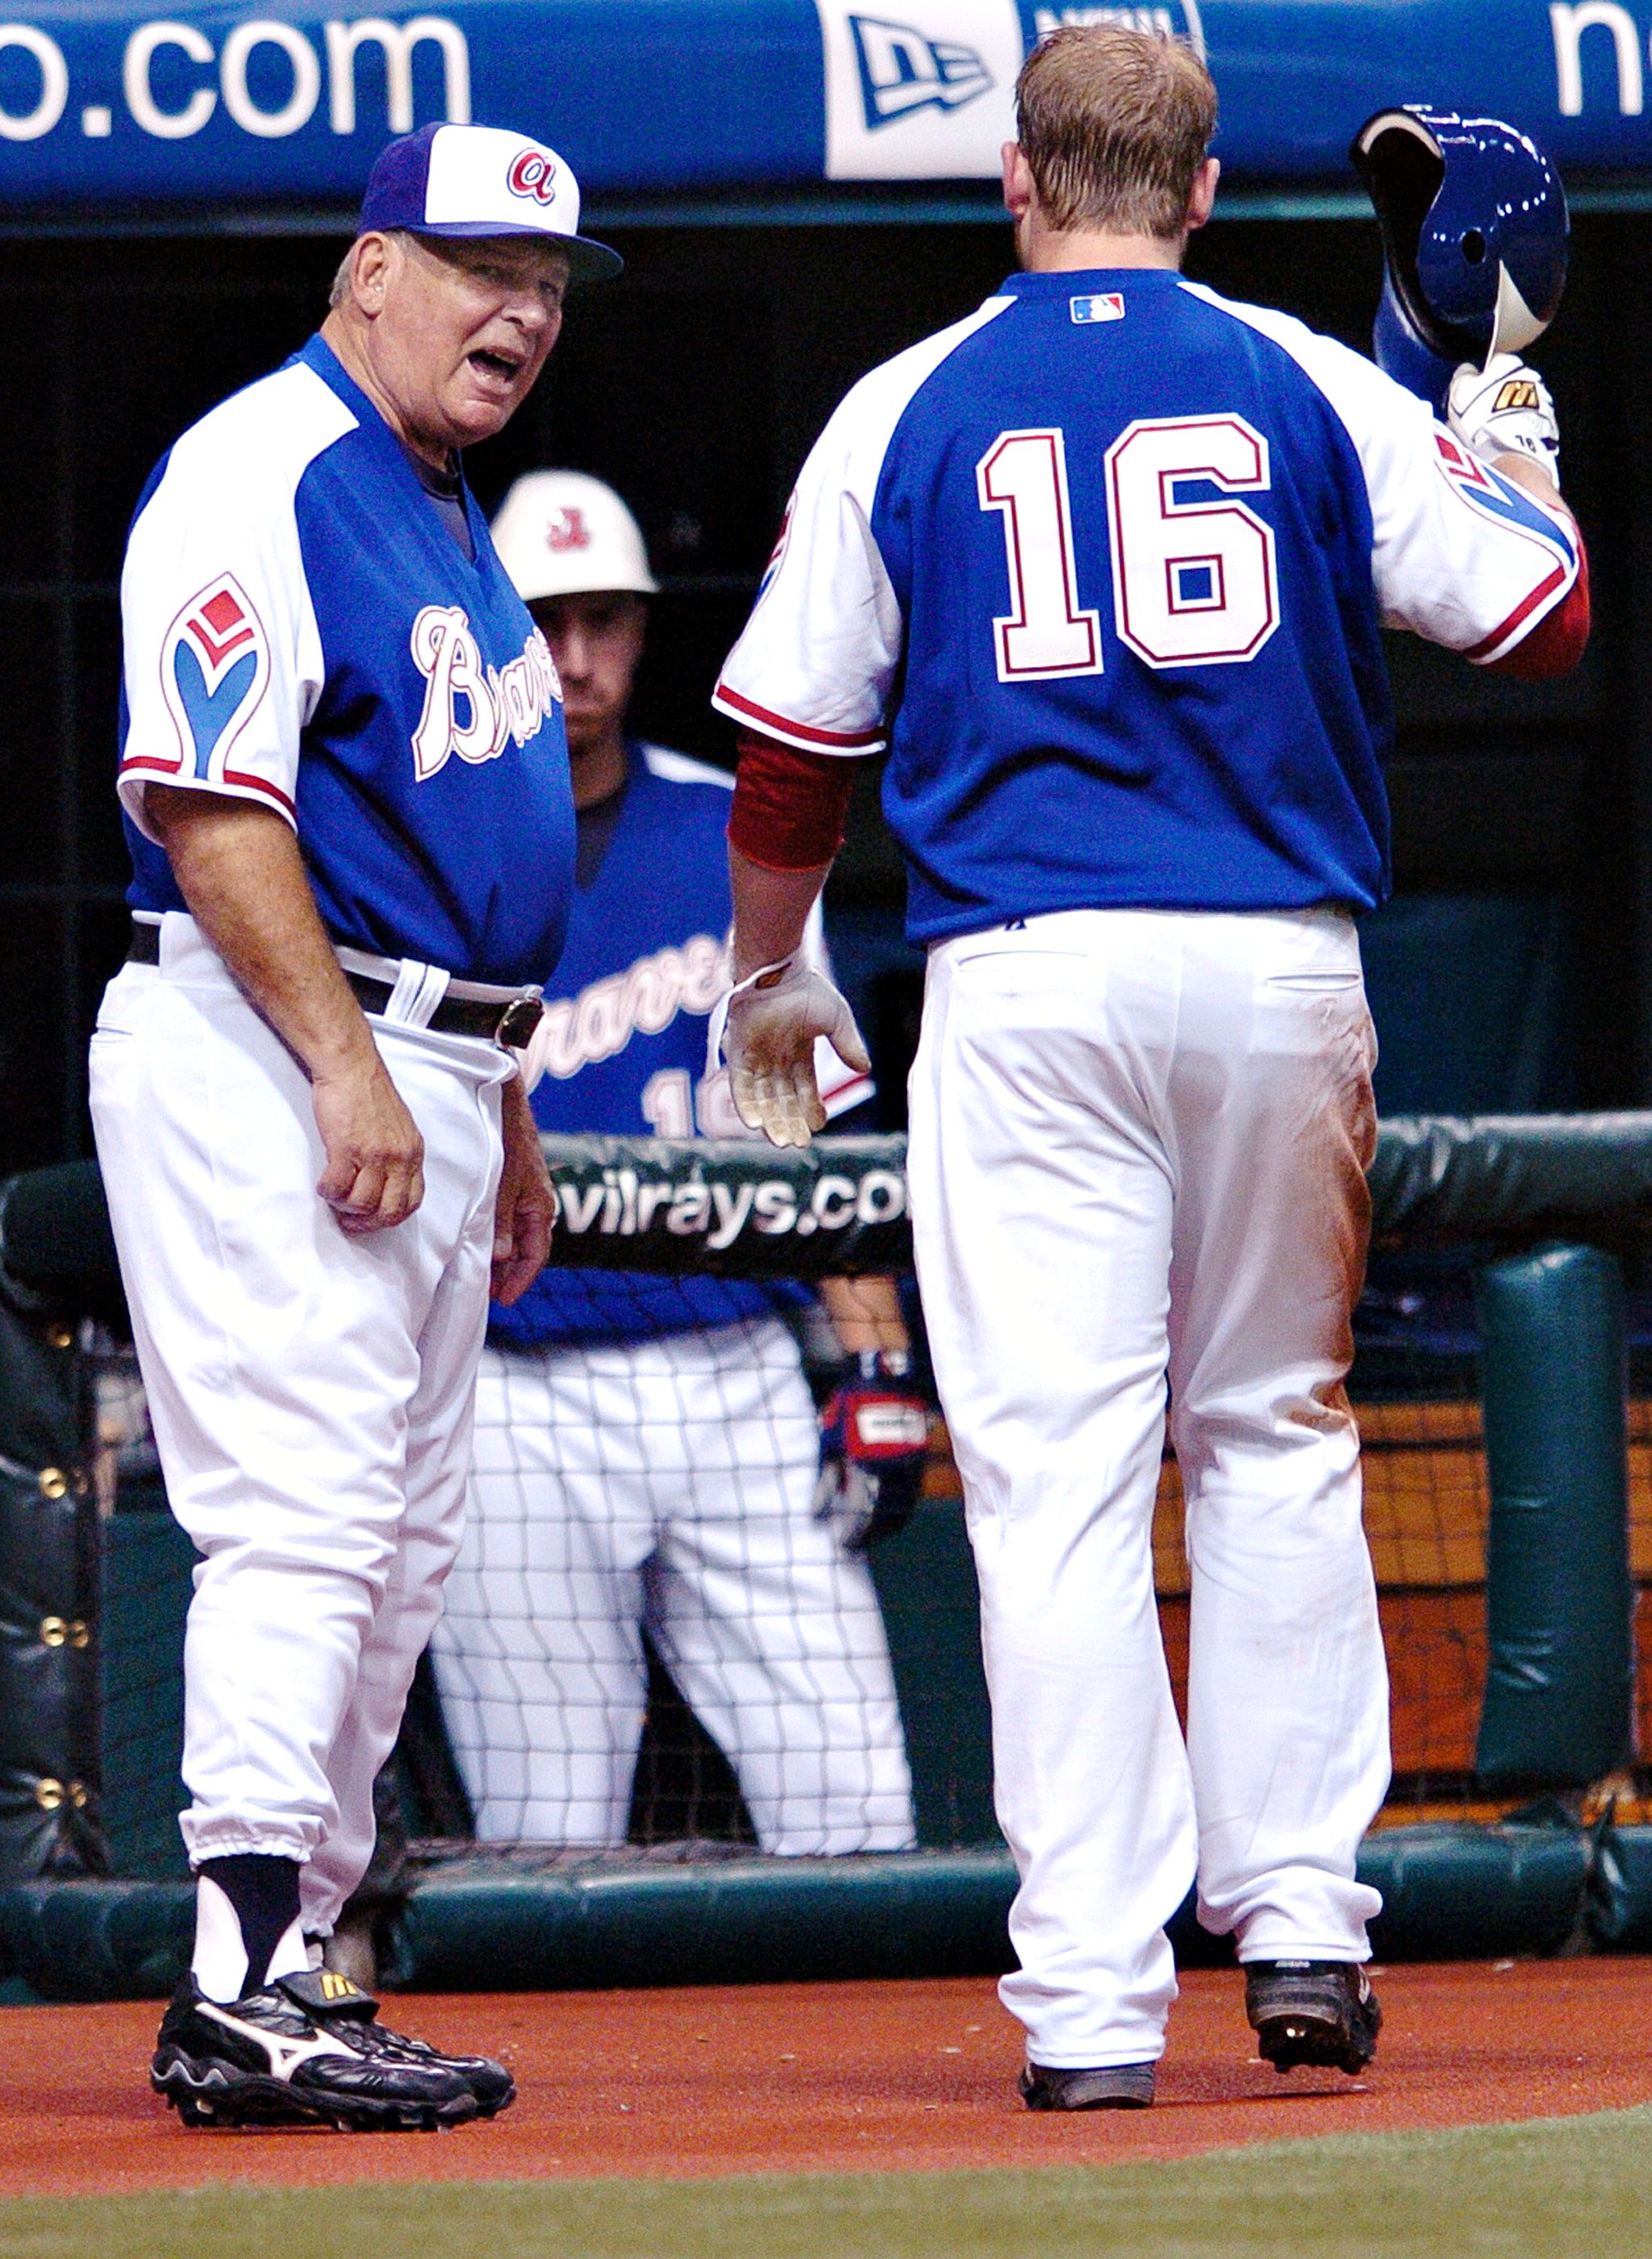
<point x="1555" y="644"/>
<point x="790" y="806"/>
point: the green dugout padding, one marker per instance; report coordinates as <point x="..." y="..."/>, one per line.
<point x="1619" y="1909"/>
<point x="770" y="1920"/>
<point x="1451" y="1892"/>
<point x="97" y="1941"/>
<point x="925" y="1578"/>
<point x="148" y="1565"/>
<point x="1459" y="1893"/>
<point x="1560" y="1681"/>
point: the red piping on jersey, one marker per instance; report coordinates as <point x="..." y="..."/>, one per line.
<point x="788" y="806"/>
<point x="862" y="740"/>
<point x="1546" y="587"/>
<point x="1556" y="644"/>
<point x="237" y="779"/>
<point x="261" y="784"/>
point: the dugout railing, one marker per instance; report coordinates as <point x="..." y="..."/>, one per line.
<point x="1509" y="1509"/>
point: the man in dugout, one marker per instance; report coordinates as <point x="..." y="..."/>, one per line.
<point x="647" y="1453"/>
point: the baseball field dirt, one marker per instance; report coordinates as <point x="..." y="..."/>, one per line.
<point x="1502" y="2116"/>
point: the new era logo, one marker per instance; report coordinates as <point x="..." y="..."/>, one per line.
<point x="1102" y="306"/>
<point x="902" y="71"/>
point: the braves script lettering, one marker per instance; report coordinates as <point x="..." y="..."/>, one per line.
<point x="471" y="709"/>
<point x="596" y="1024"/>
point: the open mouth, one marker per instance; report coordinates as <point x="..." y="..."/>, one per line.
<point x="503" y="368"/>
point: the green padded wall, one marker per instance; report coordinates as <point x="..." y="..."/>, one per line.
<point x="147" y="1565"/>
<point x="1560" y="1681"/>
<point x="49" y="1610"/>
<point x="931" y="1608"/>
<point x="483" y="1926"/>
<point x="1620" y="1889"/>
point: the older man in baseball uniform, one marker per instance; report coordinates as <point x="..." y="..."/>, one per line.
<point x="344" y="780"/>
<point x="1106" y="565"/>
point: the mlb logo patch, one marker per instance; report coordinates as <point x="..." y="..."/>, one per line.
<point x="1103" y="306"/>
<point x="214" y="664"/>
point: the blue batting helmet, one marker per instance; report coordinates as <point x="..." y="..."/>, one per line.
<point x="1474" y="228"/>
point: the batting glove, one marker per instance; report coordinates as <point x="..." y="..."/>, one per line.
<point x="1504" y="409"/>
<point x="774" y="1019"/>
<point x="875" y="1439"/>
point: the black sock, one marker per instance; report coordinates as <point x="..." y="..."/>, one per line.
<point x="264" y="1892"/>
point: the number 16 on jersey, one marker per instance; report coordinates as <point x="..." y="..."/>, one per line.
<point x="1195" y="582"/>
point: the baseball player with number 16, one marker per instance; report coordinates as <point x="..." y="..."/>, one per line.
<point x="1104" y="566"/>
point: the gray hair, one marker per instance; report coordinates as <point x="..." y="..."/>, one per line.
<point x="341" y="290"/>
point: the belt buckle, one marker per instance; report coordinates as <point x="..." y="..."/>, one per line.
<point x="519" y="1019"/>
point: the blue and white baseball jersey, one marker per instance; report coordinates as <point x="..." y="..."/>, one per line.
<point x="303" y="630"/>
<point x="621" y="1048"/>
<point x="1106" y="565"/>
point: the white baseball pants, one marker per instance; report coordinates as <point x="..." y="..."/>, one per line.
<point x="1138" y="1147"/>
<point x="310" y="1392"/>
<point x="666" y="1483"/>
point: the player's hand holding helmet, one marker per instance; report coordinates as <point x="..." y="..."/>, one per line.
<point x="775" y="1017"/>
<point x="1504" y="410"/>
<point x="875" y="1439"/>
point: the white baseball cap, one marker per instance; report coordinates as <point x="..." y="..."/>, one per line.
<point x="479" y="180"/>
<point x="563" y="533"/>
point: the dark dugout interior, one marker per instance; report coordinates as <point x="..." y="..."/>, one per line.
<point x="1511" y="972"/>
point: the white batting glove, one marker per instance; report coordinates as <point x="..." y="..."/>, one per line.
<point x="1504" y="409"/>
<point x="773" y="1021"/>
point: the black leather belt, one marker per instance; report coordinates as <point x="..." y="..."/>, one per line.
<point x="509" y="1020"/>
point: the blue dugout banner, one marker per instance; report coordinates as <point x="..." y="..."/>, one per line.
<point x="104" y="108"/>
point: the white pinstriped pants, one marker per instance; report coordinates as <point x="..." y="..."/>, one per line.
<point x="1137" y="1152"/>
<point x="667" y="1482"/>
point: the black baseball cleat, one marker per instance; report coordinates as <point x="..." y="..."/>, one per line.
<point x="1112" y="2086"/>
<point x="334" y="2003"/>
<point x="268" y="2060"/>
<point x="1312" y="2011"/>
